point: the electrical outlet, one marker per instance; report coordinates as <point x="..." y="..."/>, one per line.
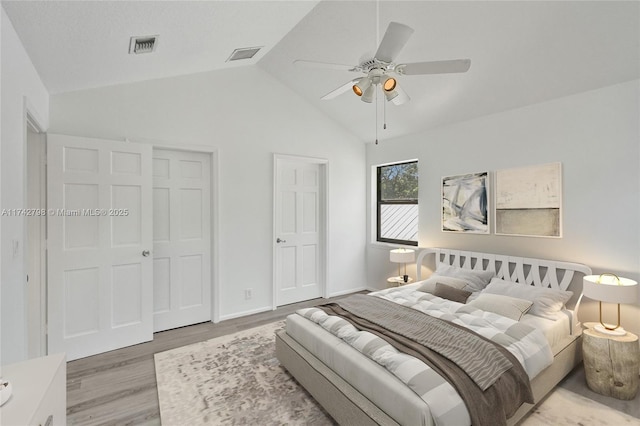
<point x="248" y="293"/>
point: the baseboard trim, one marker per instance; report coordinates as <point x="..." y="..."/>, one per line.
<point x="245" y="313"/>
<point x="349" y="291"/>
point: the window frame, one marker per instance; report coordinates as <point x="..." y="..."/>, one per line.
<point x="380" y="203"/>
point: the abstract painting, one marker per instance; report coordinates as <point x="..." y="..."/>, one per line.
<point x="529" y="200"/>
<point x="465" y="203"/>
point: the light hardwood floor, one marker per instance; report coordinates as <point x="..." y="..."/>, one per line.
<point x="119" y="387"/>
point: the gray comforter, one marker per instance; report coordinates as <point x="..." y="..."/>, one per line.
<point x="487" y="376"/>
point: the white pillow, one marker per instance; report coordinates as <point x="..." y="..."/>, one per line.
<point x="506" y="306"/>
<point x="476" y="280"/>
<point x="547" y="302"/>
<point x="429" y="286"/>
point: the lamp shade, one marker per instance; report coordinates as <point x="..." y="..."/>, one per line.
<point x="402" y="255"/>
<point x="389" y="84"/>
<point x="391" y="94"/>
<point x="610" y="289"/>
<point x="361" y="86"/>
<point x="367" y="96"/>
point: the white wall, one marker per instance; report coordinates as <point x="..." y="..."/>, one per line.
<point x="248" y="116"/>
<point x="21" y="86"/>
<point x="596" y="137"/>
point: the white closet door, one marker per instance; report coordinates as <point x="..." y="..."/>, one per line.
<point x="100" y="226"/>
<point x="298" y="250"/>
<point x="181" y="238"/>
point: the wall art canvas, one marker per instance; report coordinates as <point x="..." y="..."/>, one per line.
<point x="529" y="201"/>
<point x="465" y="203"/>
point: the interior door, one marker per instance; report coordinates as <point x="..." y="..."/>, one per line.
<point x="181" y="238"/>
<point x="299" y="210"/>
<point x="99" y="222"/>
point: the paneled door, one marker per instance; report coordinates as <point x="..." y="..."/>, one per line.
<point x="99" y="222"/>
<point x="181" y="238"/>
<point x="299" y="229"/>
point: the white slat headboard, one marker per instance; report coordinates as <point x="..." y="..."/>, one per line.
<point x="536" y="272"/>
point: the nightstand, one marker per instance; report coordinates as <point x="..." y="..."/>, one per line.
<point x="397" y="281"/>
<point x="611" y="363"/>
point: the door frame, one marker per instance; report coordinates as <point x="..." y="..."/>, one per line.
<point x="33" y="122"/>
<point x="324" y="221"/>
<point x="212" y="151"/>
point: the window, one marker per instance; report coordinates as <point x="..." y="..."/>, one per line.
<point x="397" y="199"/>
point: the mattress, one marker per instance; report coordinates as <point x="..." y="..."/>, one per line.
<point x="558" y="332"/>
<point x="369" y="378"/>
<point x="380" y="386"/>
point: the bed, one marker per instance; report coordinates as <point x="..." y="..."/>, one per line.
<point x="356" y="390"/>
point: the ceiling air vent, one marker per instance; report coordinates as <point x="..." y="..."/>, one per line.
<point x="143" y="44"/>
<point x="245" y="53"/>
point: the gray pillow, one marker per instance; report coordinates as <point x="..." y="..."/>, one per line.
<point x="506" y="306"/>
<point x="476" y="280"/>
<point x="451" y="293"/>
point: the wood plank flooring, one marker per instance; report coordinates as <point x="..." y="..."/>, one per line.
<point x="119" y="387"/>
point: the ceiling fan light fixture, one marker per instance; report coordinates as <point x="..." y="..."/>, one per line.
<point x="402" y="97"/>
<point x="362" y="86"/>
<point x="389" y="85"/>
<point x="391" y="94"/>
<point x="367" y="96"/>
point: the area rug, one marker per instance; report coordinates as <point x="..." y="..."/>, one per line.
<point x="566" y="408"/>
<point x="237" y="380"/>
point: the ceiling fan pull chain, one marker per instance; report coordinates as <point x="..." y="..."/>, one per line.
<point x="376" y="108"/>
<point x="384" y="109"/>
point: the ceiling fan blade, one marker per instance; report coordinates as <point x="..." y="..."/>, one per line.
<point x="316" y="64"/>
<point x="402" y="97"/>
<point x="435" y="67"/>
<point x="393" y="41"/>
<point x="340" y="90"/>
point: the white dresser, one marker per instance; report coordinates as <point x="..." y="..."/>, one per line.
<point x="39" y="395"/>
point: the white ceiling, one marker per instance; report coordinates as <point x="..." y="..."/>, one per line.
<point x="521" y="52"/>
<point x="84" y="44"/>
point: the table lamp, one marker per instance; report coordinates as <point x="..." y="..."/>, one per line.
<point x="403" y="256"/>
<point x="610" y="288"/>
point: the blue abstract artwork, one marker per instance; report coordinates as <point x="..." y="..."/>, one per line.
<point x="465" y="203"/>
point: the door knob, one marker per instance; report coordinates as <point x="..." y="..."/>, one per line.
<point x="145" y="253"/>
<point x="280" y="241"/>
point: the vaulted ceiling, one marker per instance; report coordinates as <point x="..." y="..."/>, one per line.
<point x="521" y="52"/>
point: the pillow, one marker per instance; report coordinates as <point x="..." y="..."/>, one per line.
<point x="547" y="302"/>
<point x="506" y="306"/>
<point x="429" y="286"/>
<point x="451" y="293"/>
<point x="476" y="280"/>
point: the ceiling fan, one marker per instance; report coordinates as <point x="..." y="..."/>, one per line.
<point x="382" y="70"/>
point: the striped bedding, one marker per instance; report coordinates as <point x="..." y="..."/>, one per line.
<point x="528" y="345"/>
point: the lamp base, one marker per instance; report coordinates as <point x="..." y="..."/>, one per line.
<point x="615" y="332"/>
